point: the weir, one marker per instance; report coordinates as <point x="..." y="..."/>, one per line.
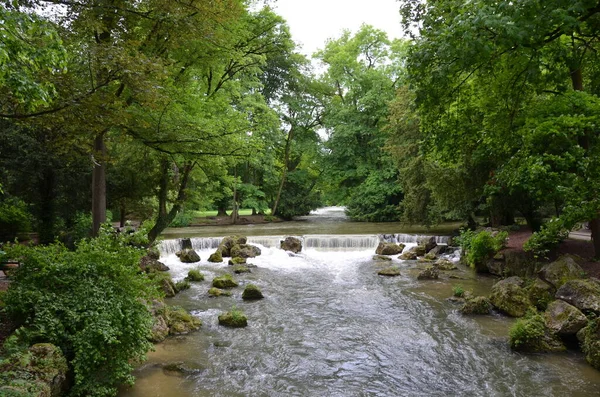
<point x="316" y="241"/>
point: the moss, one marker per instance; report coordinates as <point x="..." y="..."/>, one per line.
<point x="252" y="292"/>
<point x="182" y="285"/>
<point x="218" y="292"/>
<point x="216" y="257"/>
<point x="237" y="261"/>
<point x="180" y="321"/>
<point x="225" y="281"/>
<point x="233" y="318"/>
<point x="164" y="283"/>
<point x="237" y="269"/>
<point x="530" y="334"/>
<point x="430" y="256"/>
<point x="195" y="275"/>
<point x="477" y="305"/>
<point x="389" y="271"/>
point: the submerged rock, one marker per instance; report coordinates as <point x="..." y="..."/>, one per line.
<point x="234" y="319"/>
<point x="583" y="294"/>
<point x="389" y="248"/>
<point x="224" y="282"/>
<point x="179" y="368"/>
<point x="188" y="255"/>
<point x="509" y="297"/>
<point x="389" y="271"/>
<point x="218" y="292"/>
<point x="381" y="258"/>
<point x="291" y="244"/>
<point x="252" y="292"/>
<point x="445" y="264"/>
<point x="477" y="305"/>
<point x="429" y="273"/>
<point x="408" y="256"/>
<point x="564" y="319"/>
<point x="561" y="270"/>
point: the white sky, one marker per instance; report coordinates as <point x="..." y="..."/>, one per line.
<point x="314" y="21"/>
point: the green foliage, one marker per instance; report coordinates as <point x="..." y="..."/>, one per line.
<point x="377" y="199"/>
<point x="89" y="302"/>
<point x="527" y="331"/>
<point x="14" y="218"/>
<point x="298" y="198"/>
<point x="478" y="247"/>
<point x="548" y="238"/>
<point x="182" y="219"/>
<point x="182" y="285"/>
<point x="458" y="291"/>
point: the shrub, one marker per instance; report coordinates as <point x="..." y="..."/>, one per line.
<point x="183" y="219"/>
<point x="89" y="302"/>
<point x="458" y="291"/>
<point x="182" y="285"/>
<point x="14" y="218"/>
<point x="478" y="247"/>
<point x="195" y="275"/>
<point x="527" y="331"/>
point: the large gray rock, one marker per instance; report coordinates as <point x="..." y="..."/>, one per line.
<point x="513" y="263"/>
<point x="188" y="256"/>
<point x="419" y="250"/>
<point x="584" y="294"/>
<point x="510" y="297"/>
<point x="564" y="319"/>
<point x="245" y="251"/>
<point x="428" y="242"/>
<point x="561" y="270"/>
<point x="438" y="250"/>
<point x="389" y="249"/>
<point x="291" y="244"/>
<point x="228" y="242"/>
<point x="148" y="264"/>
<point x="408" y="256"/>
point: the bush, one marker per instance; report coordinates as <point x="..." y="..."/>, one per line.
<point x="458" y="291"/>
<point x="182" y="219"/>
<point x="478" y="247"/>
<point x="527" y="331"/>
<point x="14" y="218"/>
<point x="90" y="303"/>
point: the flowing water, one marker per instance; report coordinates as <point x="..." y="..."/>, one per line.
<point x="330" y="326"/>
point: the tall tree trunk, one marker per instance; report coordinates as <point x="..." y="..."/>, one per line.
<point x="99" y="185"/>
<point x="286" y="159"/>
<point x="165" y="218"/>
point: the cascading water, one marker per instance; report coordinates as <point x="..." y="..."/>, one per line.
<point x="330" y="326"/>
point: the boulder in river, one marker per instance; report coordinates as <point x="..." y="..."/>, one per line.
<point x="510" y="297"/>
<point x="252" y="292"/>
<point x="238" y="269"/>
<point x="438" y="250"/>
<point x="408" y="256"/>
<point x="531" y="335"/>
<point x="223" y="282"/>
<point x="233" y="318"/>
<point x="195" y="275"/>
<point x="382" y="258"/>
<point x="237" y="261"/>
<point x="218" y="292"/>
<point x="429" y="273"/>
<point x="188" y="255"/>
<point x="389" y="248"/>
<point x="216" y="257"/>
<point x="228" y="242"/>
<point x="427" y="242"/>
<point x="149" y="264"/>
<point x="540" y="293"/>
<point x="445" y="264"/>
<point x="389" y="271"/>
<point x="476" y="305"/>
<point x="561" y="270"/>
<point x="245" y="251"/>
<point x="291" y="244"/>
<point x="564" y="319"/>
<point x="584" y="294"/>
<point x="419" y="250"/>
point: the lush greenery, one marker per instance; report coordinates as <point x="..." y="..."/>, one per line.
<point x="480" y="246"/>
<point x="91" y="302"/>
<point x="527" y="331"/>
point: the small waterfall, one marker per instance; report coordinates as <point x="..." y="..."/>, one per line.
<point x="267" y="241"/>
<point x="336" y="242"/>
<point x="411" y="238"/>
<point x="167" y="247"/>
<point x="206" y="243"/>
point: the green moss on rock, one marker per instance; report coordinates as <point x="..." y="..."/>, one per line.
<point x="237" y="261"/>
<point x="392" y="271"/>
<point x="530" y="334"/>
<point x="224" y="282"/>
<point x="238" y="269"/>
<point x="195" y="275"/>
<point x="216" y="257"/>
<point x="509" y="297"/>
<point x="477" y="305"/>
<point x="180" y="321"/>
<point x="233" y="318"/>
<point x="218" y="292"/>
<point x="252" y="292"/>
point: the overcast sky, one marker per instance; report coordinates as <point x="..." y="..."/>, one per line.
<point x="314" y="21"/>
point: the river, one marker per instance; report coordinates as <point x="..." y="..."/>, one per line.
<point x="330" y="326"/>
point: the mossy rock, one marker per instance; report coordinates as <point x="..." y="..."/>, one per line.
<point x="589" y="339"/>
<point x="477" y="305"/>
<point x="228" y="242"/>
<point x="164" y="283"/>
<point x="540" y="293"/>
<point x="445" y="264"/>
<point x="238" y="269"/>
<point x="237" y="261"/>
<point x="245" y="251"/>
<point x="291" y="244"/>
<point x="252" y="292"/>
<point x="41" y="372"/>
<point x="195" y="275"/>
<point x="389" y="249"/>
<point x="218" y="292"/>
<point x="381" y="258"/>
<point x="427" y="242"/>
<point x="233" y="319"/>
<point x="216" y="257"/>
<point x="419" y="250"/>
<point x="430" y="256"/>
<point x="408" y="256"/>
<point x="149" y="264"/>
<point x="561" y="270"/>
<point x="564" y="319"/>
<point x="583" y="294"/>
<point x="180" y="321"/>
<point x="182" y="285"/>
<point x="188" y="255"/>
<point x="509" y="297"/>
<point x="224" y="282"/>
<point x="179" y="368"/>
<point x="392" y="271"/>
<point x="429" y="273"/>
